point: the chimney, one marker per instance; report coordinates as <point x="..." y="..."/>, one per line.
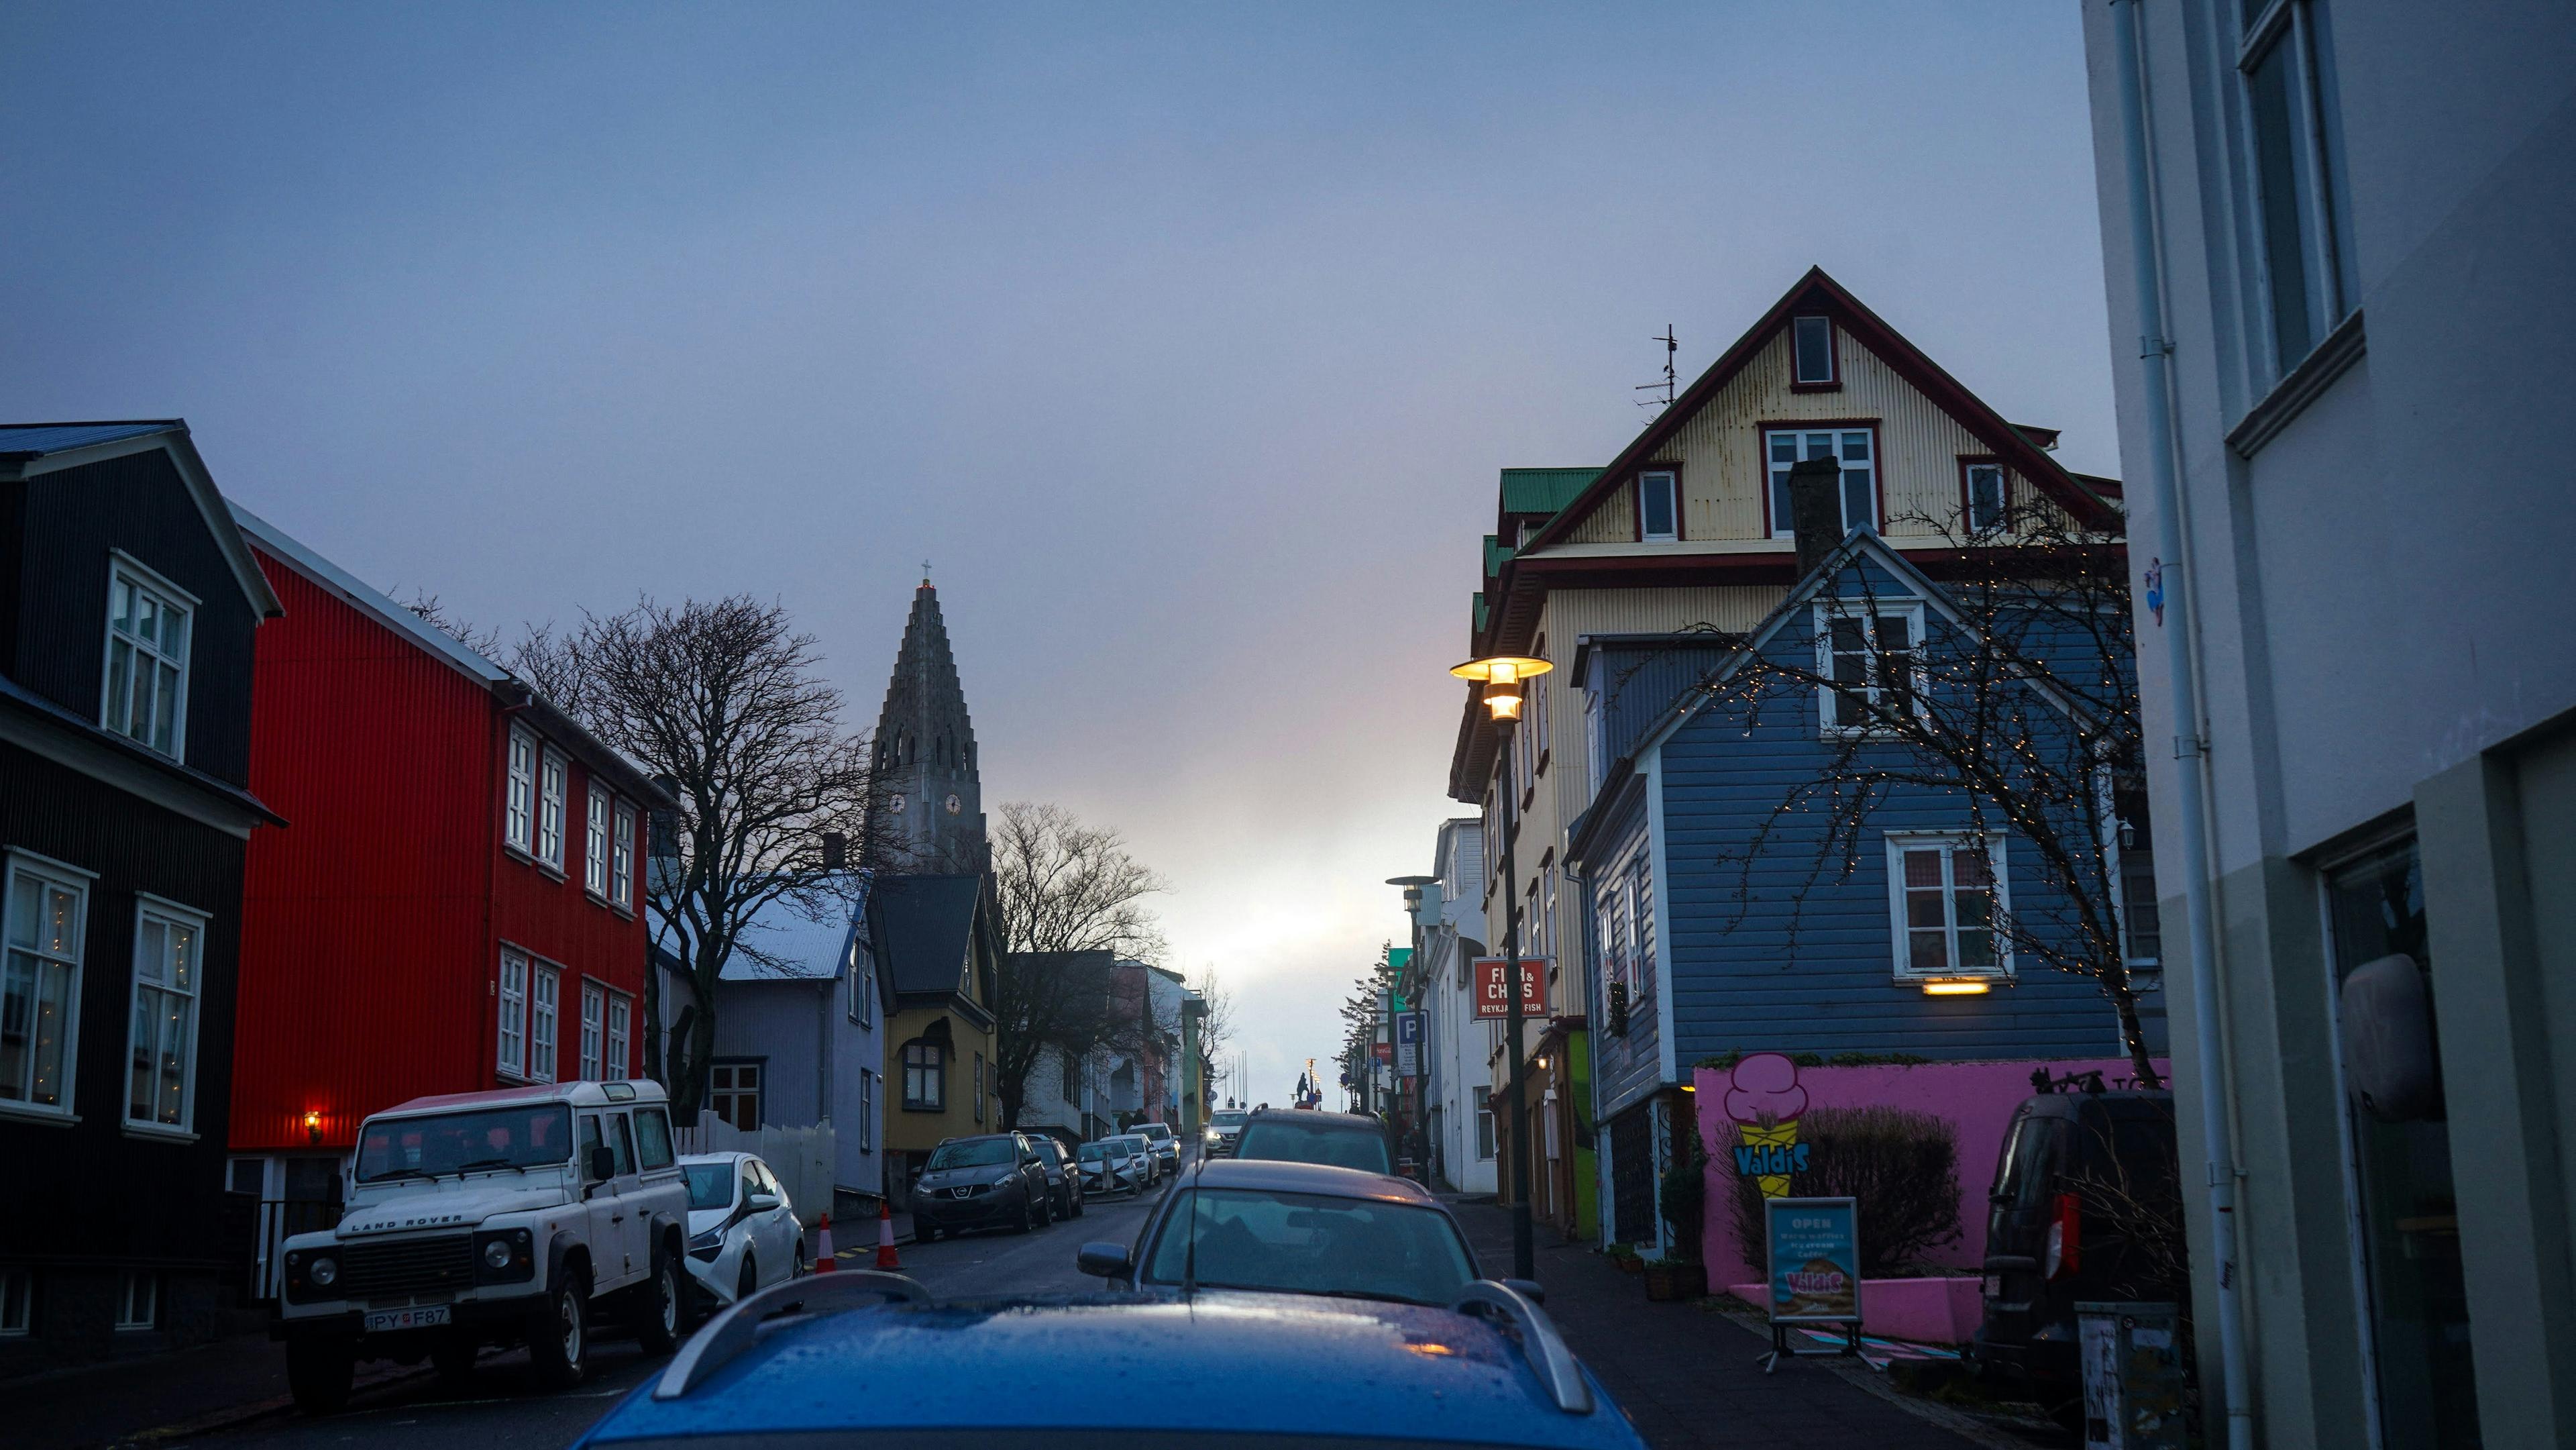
<point x="1815" y="510"/>
<point x="836" y="851"/>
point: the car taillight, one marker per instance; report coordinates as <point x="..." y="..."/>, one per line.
<point x="2065" y="1238"/>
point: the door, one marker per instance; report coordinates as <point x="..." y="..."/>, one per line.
<point x="631" y="1218"/>
<point x="603" y="1215"/>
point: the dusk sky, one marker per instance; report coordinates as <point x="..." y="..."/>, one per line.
<point x="1184" y="341"/>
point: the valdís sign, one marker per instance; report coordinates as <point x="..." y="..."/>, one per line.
<point x="1491" y="973"/>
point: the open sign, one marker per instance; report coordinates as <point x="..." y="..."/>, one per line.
<point x="1492" y="972"/>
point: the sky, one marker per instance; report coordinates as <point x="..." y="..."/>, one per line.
<point x="1184" y="342"/>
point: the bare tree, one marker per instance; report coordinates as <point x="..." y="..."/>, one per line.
<point x="485" y="642"/>
<point x="1072" y="906"/>
<point x="724" y="702"/>
<point x="1216" y="1022"/>
<point x="2020" y="700"/>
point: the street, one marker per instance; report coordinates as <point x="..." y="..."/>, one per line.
<point x="503" y="1409"/>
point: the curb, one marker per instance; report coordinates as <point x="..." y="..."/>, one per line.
<point x="226" y="1419"/>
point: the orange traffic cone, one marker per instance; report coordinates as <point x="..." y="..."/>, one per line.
<point x="885" y="1237"/>
<point x="824" y="1263"/>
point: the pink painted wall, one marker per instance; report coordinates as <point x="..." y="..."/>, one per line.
<point x="1977" y="1097"/>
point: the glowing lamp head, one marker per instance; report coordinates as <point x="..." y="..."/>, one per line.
<point x="1501" y="675"/>
<point x="313" y="1125"/>
<point x="1955" y="988"/>
<point x="1504" y="706"/>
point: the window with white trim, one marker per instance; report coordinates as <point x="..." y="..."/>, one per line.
<point x="1946" y="894"/>
<point x="1985" y="497"/>
<point x="863" y="981"/>
<point x="138" y="1300"/>
<point x="551" y="774"/>
<point x="544" y="988"/>
<point x="145" y="694"/>
<point x="1641" y="923"/>
<point x="17" y="1302"/>
<point x="1854" y="447"/>
<point x="2303" y="215"/>
<point x="161" y="1047"/>
<point x="1872" y="654"/>
<point x="621" y="858"/>
<point x="594" y="1022"/>
<point x="595" y="819"/>
<point x="1484" y="1122"/>
<point x="46" y="911"/>
<point x="513" y="1055"/>
<point x="520" y="817"/>
<point x="1811" y="340"/>
<point x="733" y="1093"/>
<point x="1659" y="506"/>
<point x="925" y="1077"/>
<point x="621" y="1016"/>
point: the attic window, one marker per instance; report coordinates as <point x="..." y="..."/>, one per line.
<point x="1815" y="344"/>
<point x="1658" y="507"/>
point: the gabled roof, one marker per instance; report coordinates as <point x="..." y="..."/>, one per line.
<point x="1819" y="293"/>
<point x="799" y="947"/>
<point x="1544" y="490"/>
<point x="29" y="450"/>
<point x="924" y="929"/>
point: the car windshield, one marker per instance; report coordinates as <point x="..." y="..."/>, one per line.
<point x="1095" y="1152"/>
<point x="710" y="1185"/>
<point x="536" y="1135"/>
<point x="973" y="1153"/>
<point x="1306" y="1243"/>
<point x="1333" y="1144"/>
<point x="1157" y="1130"/>
<point x="1228" y="1120"/>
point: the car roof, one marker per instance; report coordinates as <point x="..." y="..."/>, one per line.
<point x="1289" y="1366"/>
<point x="1317" y="1118"/>
<point x="688" y="1158"/>
<point x="1282" y="1176"/>
<point x="579" y="1094"/>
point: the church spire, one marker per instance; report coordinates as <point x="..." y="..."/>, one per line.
<point x="929" y="790"/>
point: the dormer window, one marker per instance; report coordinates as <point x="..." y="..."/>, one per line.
<point x="147" y="659"/>
<point x="1813" y="338"/>
<point x="1659" y="506"/>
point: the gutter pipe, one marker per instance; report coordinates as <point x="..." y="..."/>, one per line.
<point x="2191" y="749"/>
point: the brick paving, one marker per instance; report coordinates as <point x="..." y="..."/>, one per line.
<point x="1688" y="1377"/>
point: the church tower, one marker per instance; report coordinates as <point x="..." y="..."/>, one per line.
<point x="929" y="801"/>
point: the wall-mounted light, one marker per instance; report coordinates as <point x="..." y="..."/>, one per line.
<point x="1957" y="988"/>
<point x="312" y="1125"/>
<point x="1542" y="1064"/>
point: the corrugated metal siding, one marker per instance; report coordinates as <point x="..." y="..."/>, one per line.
<point x="86" y="1190"/>
<point x="137" y="503"/>
<point x="370" y="924"/>
<point x="1574" y="613"/>
<point x="1724" y="474"/>
<point x="775" y="1022"/>
<point x="1630" y="1066"/>
<point x="1639" y="682"/>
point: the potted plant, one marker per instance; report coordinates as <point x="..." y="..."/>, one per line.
<point x="1624" y="1256"/>
<point x="1683" y="1200"/>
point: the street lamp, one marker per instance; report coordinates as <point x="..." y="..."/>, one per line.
<point x="1501" y="677"/>
<point x="1422" y="1149"/>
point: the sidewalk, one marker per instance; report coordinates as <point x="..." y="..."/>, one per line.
<point x="1688" y="1376"/>
<point x="191" y="1390"/>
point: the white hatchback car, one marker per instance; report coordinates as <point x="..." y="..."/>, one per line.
<point x="743" y="1232"/>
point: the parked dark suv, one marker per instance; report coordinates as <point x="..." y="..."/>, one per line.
<point x="993" y="1180"/>
<point x="1064" y="1179"/>
<point x="2086" y="1205"/>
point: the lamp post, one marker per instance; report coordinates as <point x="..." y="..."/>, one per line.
<point x="1501" y="677"/>
<point x="1422" y="1146"/>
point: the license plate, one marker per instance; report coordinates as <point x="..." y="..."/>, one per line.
<point x="426" y="1317"/>
<point x="1994" y="1286"/>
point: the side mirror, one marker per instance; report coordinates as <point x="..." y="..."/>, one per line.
<point x="1530" y="1289"/>
<point x="603" y="1163"/>
<point x="1105" y="1261"/>
<point x="761" y="1202"/>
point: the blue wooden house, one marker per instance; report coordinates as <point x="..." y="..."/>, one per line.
<point x="1716" y="923"/>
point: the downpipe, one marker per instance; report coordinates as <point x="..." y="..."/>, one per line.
<point x="2191" y="752"/>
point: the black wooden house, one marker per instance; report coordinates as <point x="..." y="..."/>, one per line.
<point x="127" y="605"/>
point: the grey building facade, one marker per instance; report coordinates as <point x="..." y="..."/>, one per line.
<point x="2336" y="244"/>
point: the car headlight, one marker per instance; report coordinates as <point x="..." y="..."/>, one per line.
<point x="496" y="1254"/>
<point x="712" y="1238"/>
<point x="323" y="1272"/>
<point x="505" y="1256"/>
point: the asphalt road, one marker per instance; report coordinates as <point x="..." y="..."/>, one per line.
<point x="503" y="1408"/>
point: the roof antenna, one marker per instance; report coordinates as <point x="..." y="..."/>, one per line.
<point x="1671" y="347"/>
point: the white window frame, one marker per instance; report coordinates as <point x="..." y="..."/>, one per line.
<point x="124" y="568"/>
<point x="867" y="1111"/>
<point x="545" y="1015"/>
<point x="61" y="876"/>
<point x="170" y="915"/>
<point x="1671" y="486"/>
<point x="756" y="1088"/>
<point x="621" y="859"/>
<point x="863" y="981"/>
<point x="554" y="787"/>
<point x="1998" y="862"/>
<point x="594" y="1023"/>
<point x="1868" y="613"/>
<point x="519" y="816"/>
<point x="138" y="1287"/>
<point x="1775" y="471"/>
<point x="2002" y="494"/>
<point x="595" y="817"/>
<point x="510" y="1051"/>
<point x="2320" y="209"/>
<point x="1833" y="348"/>
<point x="620" y="1049"/>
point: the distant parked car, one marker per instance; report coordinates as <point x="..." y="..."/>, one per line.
<point x="1064" y="1180"/>
<point x="1107" y="1167"/>
<point x="743" y="1231"/>
<point x="2086" y="1205"/>
<point x="989" y="1181"/>
<point x="1340" y="1140"/>
<point x="1143" y="1150"/>
<point x="1224" y="1126"/>
<point x="1165" y="1142"/>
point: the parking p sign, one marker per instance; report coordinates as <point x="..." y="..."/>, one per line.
<point x="1408" y="1043"/>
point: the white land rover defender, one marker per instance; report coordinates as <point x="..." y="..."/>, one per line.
<point x="492" y="1218"/>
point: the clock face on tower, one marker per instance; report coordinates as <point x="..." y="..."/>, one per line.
<point x="953" y="804"/>
<point x="896" y="804"/>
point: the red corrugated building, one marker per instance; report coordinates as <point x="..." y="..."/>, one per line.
<point x="458" y="904"/>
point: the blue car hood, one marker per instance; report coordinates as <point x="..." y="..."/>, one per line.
<point x="1259" y="1363"/>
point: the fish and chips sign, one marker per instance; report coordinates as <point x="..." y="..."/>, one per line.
<point x="1813" y="1247"/>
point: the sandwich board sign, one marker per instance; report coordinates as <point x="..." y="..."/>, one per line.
<point x="1812" y="1247"/>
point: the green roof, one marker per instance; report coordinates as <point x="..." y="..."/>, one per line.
<point x="1480" y="614"/>
<point x="1544" y="490"/>
<point x="1495" y="553"/>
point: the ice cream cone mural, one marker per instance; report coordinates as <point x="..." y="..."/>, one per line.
<point x="1765" y="1102"/>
